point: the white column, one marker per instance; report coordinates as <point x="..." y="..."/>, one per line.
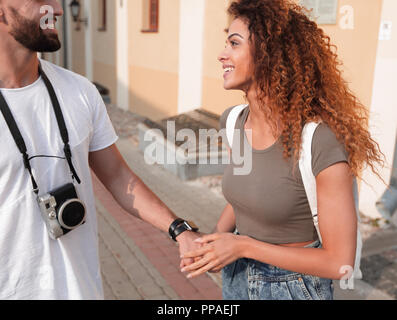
<point x="68" y="39"/>
<point x="383" y="121"/>
<point x="122" y="54"/>
<point x="89" y="73"/>
<point x="191" y="40"/>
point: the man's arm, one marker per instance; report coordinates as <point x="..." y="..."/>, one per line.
<point x="133" y="195"/>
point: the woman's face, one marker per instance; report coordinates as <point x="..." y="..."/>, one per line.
<point x="236" y="58"/>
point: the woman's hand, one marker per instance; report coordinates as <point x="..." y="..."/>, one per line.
<point x="218" y="250"/>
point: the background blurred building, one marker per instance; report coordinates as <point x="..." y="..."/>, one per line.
<point x="158" y="58"/>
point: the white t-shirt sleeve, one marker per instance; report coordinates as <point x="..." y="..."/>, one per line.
<point x="103" y="135"/>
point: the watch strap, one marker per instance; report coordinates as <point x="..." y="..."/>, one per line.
<point x="185" y="226"/>
<point x="173" y="226"/>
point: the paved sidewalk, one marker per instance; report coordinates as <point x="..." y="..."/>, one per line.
<point x="140" y="262"/>
<point x="126" y="271"/>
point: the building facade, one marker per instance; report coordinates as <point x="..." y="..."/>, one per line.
<point x="158" y="58"/>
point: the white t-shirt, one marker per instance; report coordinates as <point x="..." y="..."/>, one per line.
<point x="32" y="265"/>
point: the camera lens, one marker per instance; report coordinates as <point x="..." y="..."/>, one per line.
<point x="71" y="214"/>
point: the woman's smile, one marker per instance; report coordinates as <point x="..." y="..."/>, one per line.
<point x="228" y="69"/>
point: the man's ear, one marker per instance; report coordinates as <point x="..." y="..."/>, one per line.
<point x="1" y="15"/>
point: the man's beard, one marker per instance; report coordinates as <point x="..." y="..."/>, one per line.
<point x="31" y="36"/>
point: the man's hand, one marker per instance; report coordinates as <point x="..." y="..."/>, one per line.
<point x="186" y="244"/>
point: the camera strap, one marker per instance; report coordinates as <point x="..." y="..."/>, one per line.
<point x="61" y="123"/>
<point x="18" y="136"/>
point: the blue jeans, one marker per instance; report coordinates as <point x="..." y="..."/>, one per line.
<point x="247" y="279"/>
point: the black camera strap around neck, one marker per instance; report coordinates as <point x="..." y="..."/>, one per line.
<point x="18" y="136"/>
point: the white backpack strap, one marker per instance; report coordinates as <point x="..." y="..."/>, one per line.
<point x="231" y="122"/>
<point x="309" y="182"/>
<point x="305" y="166"/>
<point x="359" y="246"/>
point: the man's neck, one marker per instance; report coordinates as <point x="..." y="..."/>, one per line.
<point x="18" y="65"/>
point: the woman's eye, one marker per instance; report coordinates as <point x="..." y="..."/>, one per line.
<point x="232" y="43"/>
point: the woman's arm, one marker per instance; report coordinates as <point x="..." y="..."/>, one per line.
<point x="338" y="225"/>
<point x="227" y="221"/>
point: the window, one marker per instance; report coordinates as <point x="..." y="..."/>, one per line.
<point x="150" y="16"/>
<point x="102" y="15"/>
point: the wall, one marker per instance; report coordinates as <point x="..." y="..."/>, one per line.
<point x="383" y="122"/>
<point x="357" y="48"/>
<point x="153" y="59"/>
<point x="191" y="41"/>
<point x="104" y="49"/>
<point x="78" y="46"/>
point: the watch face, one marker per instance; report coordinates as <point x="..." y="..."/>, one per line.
<point x="192" y="225"/>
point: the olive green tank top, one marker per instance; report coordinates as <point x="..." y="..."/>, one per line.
<point x="270" y="203"/>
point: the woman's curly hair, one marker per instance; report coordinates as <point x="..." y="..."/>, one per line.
<point x="297" y="70"/>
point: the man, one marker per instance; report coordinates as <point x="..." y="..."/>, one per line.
<point x="32" y="264"/>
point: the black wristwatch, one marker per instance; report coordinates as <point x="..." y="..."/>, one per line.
<point x="179" y="226"/>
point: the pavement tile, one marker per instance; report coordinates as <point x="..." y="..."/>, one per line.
<point x="150" y="291"/>
<point x="379" y="270"/>
<point x="127" y="274"/>
<point x="203" y="284"/>
<point x="118" y="281"/>
<point x="187" y="291"/>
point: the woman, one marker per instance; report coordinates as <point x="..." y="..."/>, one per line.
<point x="286" y="67"/>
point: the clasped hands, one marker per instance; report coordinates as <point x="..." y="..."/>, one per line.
<point x="212" y="253"/>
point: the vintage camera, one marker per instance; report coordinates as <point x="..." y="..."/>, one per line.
<point x="62" y="210"/>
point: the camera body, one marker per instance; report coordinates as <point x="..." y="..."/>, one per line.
<point x="62" y="210"/>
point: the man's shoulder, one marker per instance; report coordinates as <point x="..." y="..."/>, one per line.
<point x="58" y="73"/>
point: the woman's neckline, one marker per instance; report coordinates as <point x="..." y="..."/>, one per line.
<point x="245" y="118"/>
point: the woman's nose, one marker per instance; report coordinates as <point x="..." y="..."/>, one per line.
<point x="222" y="56"/>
